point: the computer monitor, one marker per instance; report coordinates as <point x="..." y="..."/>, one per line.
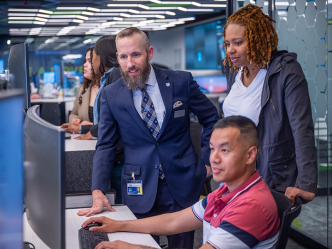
<point x="44" y="178"/>
<point x="212" y="84"/>
<point x="11" y="164"/>
<point x="49" y="78"/>
<point x="18" y="65"/>
<point x="58" y="72"/>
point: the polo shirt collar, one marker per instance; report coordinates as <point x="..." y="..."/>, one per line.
<point x="252" y="180"/>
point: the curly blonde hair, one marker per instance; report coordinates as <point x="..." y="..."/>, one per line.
<point x="261" y="36"/>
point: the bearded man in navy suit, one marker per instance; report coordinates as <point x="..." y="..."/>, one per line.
<point x="148" y="108"/>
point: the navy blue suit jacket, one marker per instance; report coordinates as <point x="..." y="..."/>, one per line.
<point x="184" y="170"/>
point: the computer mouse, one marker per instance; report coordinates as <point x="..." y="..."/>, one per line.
<point x="93" y="224"/>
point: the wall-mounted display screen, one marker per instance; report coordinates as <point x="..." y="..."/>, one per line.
<point x="212" y="84"/>
<point x="49" y="77"/>
<point x="205" y="45"/>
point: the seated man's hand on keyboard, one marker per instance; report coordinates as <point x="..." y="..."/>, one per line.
<point x="99" y="202"/>
<point x="108" y="225"/>
<point x="120" y="245"/>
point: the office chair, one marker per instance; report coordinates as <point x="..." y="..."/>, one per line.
<point x="286" y="214"/>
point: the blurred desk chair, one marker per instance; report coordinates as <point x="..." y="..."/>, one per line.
<point x="286" y="214"/>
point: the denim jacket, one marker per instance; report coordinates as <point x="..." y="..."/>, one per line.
<point x="286" y="152"/>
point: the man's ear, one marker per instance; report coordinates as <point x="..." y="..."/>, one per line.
<point x="251" y="155"/>
<point x="150" y="53"/>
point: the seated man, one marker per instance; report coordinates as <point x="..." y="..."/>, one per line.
<point x="240" y="214"/>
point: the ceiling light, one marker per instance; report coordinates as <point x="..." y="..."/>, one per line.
<point x="24" y="10"/>
<point x="170" y="13"/>
<point x="20" y="14"/>
<point x="214" y="5"/>
<point x="59" y="20"/>
<point x="107" y="24"/>
<point x="156" y="29"/>
<point x="164" y="8"/>
<point x="20" y="22"/>
<point x="78" y="21"/>
<point x="187" y="19"/>
<point x="125" y="15"/>
<point x="63" y="16"/>
<point x="87" y="13"/>
<point x="82" y="17"/>
<point x="181" y="8"/>
<point x="122" y="5"/>
<point x="111" y="10"/>
<point x="177" y="2"/>
<point x="160" y="16"/>
<point x="46" y="11"/>
<point x="9" y="42"/>
<point x="196" y="4"/>
<point x="67" y="12"/>
<point x="42" y="15"/>
<point x="155" y="1"/>
<point x="41" y="19"/>
<point x="71" y="56"/>
<point x="71" y="8"/>
<point x="21" y="17"/>
<point x="143" y="6"/>
<point x="35" y="22"/>
<point x="200" y="10"/>
<point x="118" y="18"/>
<point x="93" y="9"/>
<point x="134" y="11"/>
<point x="87" y="41"/>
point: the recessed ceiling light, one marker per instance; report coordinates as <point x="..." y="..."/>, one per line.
<point x="46" y="11"/>
<point x="155" y="1"/>
<point x="87" y="13"/>
<point x="200" y="10"/>
<point x="93" y="9"/>
<point x="125" y="15"/>
<point x="196" y="4"/>
<point x="181" y="8"/>
<point x="160" y="16"/>
<point x="143" y="6"/>
<point x="82" y="17"/>
<point x="78" y="21"/>
<point x="71" y="8"/>
<point x="133" y="11"/>
<point x="214" y="5"/>
<point x="122" y="5"/>
<point x="117" y="18"/>
<point x="170" y="13"/>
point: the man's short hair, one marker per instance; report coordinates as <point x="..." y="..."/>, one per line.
<point x="130" y="32"/>
<point x="247" y="128"/>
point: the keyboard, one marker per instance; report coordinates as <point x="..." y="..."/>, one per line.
<point x="90" y="239"/>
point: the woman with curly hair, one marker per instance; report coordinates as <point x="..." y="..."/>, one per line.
<point x="82" y="113"/>
<point x="269" y="87"/>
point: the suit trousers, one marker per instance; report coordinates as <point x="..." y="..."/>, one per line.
<point x="165" y="203"/>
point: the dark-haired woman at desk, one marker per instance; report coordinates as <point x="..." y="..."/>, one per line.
<point x="269" y="87"/>
<point x="81" y="117"/>
<point x="105" y="65"/>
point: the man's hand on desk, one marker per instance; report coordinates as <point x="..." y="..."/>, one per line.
<point x="99" y="202"/>
<point x="86" y="136"/>
<point x="70" y="128"/>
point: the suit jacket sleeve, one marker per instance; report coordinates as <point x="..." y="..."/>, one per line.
<point x="108" y="140"/>
<point x="207" y="115"/>
<point x="74" y="112"/>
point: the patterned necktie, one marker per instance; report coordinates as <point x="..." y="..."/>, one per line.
<point x="149" y="115"/>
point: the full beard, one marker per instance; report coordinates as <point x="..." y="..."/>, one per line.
<point x="137" y="82"/>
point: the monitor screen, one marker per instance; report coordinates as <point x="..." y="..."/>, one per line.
<point x="205" y="45"/>
<point x="11" y="164"/>
<point x="18" y="65"/>
<point x="44" y="195"/>
<point x="57" y="72"/>
<point x="2" y="66"/>
<point x="212" y="84"/>
<point x="49" y="77"/>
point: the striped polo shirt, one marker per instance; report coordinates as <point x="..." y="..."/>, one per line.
<point x="247" y="217"/>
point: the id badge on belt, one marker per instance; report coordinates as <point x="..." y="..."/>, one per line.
<point x="134" y="187"/>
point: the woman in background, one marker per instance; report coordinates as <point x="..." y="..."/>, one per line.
<point x="82" y="114"/>
<point x="269" y="87"/>
<point x="105" y="67"/>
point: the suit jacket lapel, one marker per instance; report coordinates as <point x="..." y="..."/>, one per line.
<point x="166" y="90"/>
<point x="128" y="102"/>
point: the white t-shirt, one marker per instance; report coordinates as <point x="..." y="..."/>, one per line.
<point x="245" y="101"/>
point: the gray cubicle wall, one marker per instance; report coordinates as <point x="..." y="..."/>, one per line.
<point x="44" y="175"/>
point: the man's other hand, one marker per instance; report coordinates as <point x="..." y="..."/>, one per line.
<point x="76" y="121"/>
<point x="86" y="136"/>
<point x="70" y="128"/>
<point x="292" y="192"/>
<point x="118" y="244"/>
<point x="99" y="202"/>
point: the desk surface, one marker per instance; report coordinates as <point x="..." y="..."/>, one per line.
<point x="80" y="145"/>
<point x="74" y="222"/>
<point x="56" y="100"/>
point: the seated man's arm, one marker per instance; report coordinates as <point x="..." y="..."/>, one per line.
<point x="165" y="224"/>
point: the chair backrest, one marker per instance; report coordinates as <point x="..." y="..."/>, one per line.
<point x="286" y="214"/>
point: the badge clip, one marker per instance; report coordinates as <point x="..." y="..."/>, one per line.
<point x="133" y="175"/>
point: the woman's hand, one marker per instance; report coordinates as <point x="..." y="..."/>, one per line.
<point x="70" y="128"/>
<point x="86" y="123"/>
<point x="87" y="136"/>
<point x="76" y="121"/>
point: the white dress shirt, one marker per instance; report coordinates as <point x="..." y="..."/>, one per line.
<point x="245" y="101"/>
<point x="155" y="95"/>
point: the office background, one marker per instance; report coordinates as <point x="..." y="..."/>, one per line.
<point x="303" y="26"/>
